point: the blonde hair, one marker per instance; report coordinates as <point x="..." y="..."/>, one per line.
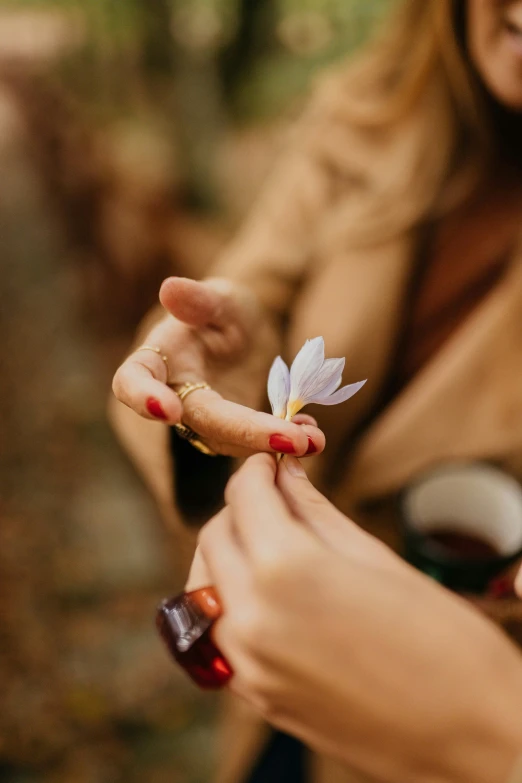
<point x="407" y="121"/>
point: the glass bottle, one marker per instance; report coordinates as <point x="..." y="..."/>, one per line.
<point x="185" y="624"/>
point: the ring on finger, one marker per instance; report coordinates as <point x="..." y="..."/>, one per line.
<point x="160" y="353"/>
<point x="182" y="430"/>
<point x="193" y="438"/>
<point x="187" y="388"/>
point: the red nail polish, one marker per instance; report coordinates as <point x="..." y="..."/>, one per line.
<point x="312" y="448"/>
<point x="282" y="444"/>
<point x="207" y="600"/>
<point x="155" y="409"/>
<point x="185" y="624"/>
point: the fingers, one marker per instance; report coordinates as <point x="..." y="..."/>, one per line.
<point x="136" y="384"/>
<point x="223" y="314"/>
<point x="192" y="302"/>
<point x="259" y="513"/>
<point x="218" y="309"/>
<point x="199" y="575"/>
<point x="304" y="418"/>
<point x="236" y="430"/>
<point x="221" y="560"/>
<point x="330" y="525"/>
<point x="316" y="440"/>
<point x="227" y="427"/>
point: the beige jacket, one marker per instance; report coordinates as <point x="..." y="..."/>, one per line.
<point x="465" y="404"/>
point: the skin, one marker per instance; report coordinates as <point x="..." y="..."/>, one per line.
<point x="315" y="629"/>
<point x="214" y="332"/>
<point x="494" y="37"/>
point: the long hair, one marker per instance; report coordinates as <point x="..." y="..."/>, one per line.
<point x="408" y="122"/>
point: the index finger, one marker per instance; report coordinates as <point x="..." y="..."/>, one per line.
<point x="136" y="384"/>
<point x="237" y="430"/>
<point x="259" y="513"/>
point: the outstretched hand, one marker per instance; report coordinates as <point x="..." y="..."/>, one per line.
<point x="213" y="332"/>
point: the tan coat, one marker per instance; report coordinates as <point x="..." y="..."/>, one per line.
<point x="465" y="404"/>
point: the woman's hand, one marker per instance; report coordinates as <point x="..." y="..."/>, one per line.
<point x="216" y="333"/>
<point x="336" y="640"/>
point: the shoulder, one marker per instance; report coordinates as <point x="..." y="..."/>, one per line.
<point x="338" y="128"/>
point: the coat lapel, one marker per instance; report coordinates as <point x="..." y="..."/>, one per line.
<point x="466" y="404"/>
<point x="355" y="302"/>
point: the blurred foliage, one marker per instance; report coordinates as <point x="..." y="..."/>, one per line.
<point x="278" y="42"/>
<point x="201" y="64"/>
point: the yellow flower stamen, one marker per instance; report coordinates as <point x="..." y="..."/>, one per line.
<point x="293" y="408"/>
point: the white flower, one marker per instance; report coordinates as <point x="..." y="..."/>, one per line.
<point x="312" y="378"/>
<point x="279" y="387"/>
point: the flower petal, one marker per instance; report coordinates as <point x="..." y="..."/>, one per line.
<point x="279" y="387"/>
<point x="305" y="368"/>
<point x="339" y="396"/>
<point x="327" y="380"/>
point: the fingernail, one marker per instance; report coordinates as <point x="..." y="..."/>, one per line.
<point x="294" y="467"/>
<point x="281" y="444"/>
<point x="312" y="448"/>
<point x="208" y="601"/>
<point x="155" y="409"/>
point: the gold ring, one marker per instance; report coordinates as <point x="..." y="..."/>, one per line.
<point x="193" y="438"/>
<point x="187" y="388"/>
<point x="157" y="350"/>
<point x="185" y="432"/>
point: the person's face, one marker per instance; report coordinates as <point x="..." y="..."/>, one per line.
<point x="494" y="36"/>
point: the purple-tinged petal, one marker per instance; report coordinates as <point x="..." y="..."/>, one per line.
<point x="305" y="368"/>
<point x="279" y="387"/>
<point x="339" y="396"/>
<point x="327" y="380"/>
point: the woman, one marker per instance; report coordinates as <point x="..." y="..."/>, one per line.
<point x="392" y="228"/>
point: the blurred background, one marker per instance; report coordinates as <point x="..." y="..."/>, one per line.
<point x="134" y="135"/>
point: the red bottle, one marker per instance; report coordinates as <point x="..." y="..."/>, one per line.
<point x="185" y="624"/>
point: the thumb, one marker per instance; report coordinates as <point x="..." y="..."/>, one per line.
<point x="223" y="313"/>
<point x="199" y="575"/>
<point x="196" y="304"/>
<point x="330" y="525"/>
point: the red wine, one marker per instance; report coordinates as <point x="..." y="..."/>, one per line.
<point x="463" y="545"/>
